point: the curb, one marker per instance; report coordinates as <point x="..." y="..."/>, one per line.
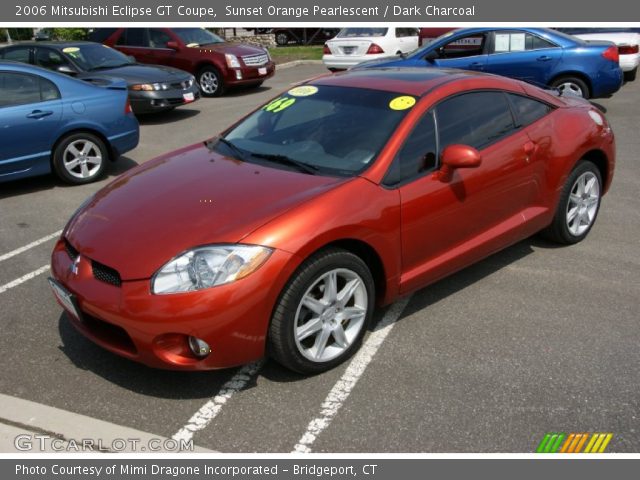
<point x="63" y="429"/>
<point x="295" y="63"/>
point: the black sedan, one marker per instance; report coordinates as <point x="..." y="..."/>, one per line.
<point x="152" y="88"/>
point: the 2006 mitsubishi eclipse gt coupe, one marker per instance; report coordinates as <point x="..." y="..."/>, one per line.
<point x="280" y="236"/>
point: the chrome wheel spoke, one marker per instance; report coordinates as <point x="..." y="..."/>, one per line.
<point x="312" y="327"/>
<point x="353" y="313"/>
<point x="347" y="292"/>
<point x="84" y="170"/>
<point x="321" y="343"/>
<point x="73" y="150"/>
<point x="331" y="287"/>
<point x="316" y="306"/>
<point x="94" y="160"/>
<point x="340" y="337"/>
<point x="572" y="214"/>
<point x="72" y="164"/>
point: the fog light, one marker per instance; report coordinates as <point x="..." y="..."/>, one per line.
<point x="199" y="347"/>
<point x="238" y="75"/>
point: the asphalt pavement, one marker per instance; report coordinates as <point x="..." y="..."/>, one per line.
<point x="534" y="339"/>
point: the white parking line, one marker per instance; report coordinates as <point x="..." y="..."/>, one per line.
<point x="210" y="410"/>
<point x="24" y="278"/>
<point x="18" y="251"/>
<point x="343" y="387"/>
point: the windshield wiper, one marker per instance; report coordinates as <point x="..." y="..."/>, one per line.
<point x="104" y="67"/>
<point x="284" y="160"/>
<point x="239" y="153"/>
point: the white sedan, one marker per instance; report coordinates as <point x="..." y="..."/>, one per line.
<point x="627" y="40"/>
<point x="355" y="45"/>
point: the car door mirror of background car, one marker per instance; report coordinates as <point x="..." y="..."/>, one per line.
<point x="457" y="156"/>
<point x="173" y="45"/>
<point x="67" y="70"/>
<point x="431" y="56"/>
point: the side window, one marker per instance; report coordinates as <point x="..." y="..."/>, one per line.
<point x="158" y="38"/>
<point x="17" y="54"/>
<point x="476" y="119"/>
<point x="406" y="32"/>
<point x="417" y="155"/>
<point x="518" y="42"/>
<point x="527" y="110"/>
<point x="463" y="47"/>
<point x="18" y="89"/>
<point x="132" y="37"/>
<point x="48" y="58"/>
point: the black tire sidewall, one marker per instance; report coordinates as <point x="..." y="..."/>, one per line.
<point x="281" y="342"/>
<point x="58" y="163"/>
<point x="221" y="86"/>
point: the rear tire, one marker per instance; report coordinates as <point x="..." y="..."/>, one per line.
<point x="578" y="206"/>
<point x="322" y="313"/>
<point x="282" y="38"/>
<point x="574" y="85"/>
<point x="80" y="158"/>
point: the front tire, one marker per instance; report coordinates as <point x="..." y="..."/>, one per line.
<point x="573" y="85"/>
<point x="210" y="82"/>
<point x="323" y="312"/>
<point x="282" y="38"/>
<point x="80" y="158"/>
<point x="579" y="205"/>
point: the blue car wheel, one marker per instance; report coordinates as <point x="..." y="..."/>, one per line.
<point x="80" y="158"/>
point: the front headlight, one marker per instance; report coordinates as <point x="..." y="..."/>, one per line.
<point x="232" y="61"/>
<point x="210" y="266"/>
<point x="149" y="87"/>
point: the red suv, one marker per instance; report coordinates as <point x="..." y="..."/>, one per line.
<point x="215" y="63"/>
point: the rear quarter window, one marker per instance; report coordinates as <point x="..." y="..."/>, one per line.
<point x="527" y="110"/>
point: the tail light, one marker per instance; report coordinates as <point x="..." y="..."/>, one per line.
<point x="374" y="49"/>
<point x="611" y="53"/>
<point x="326" y="50"/>
<point x="628" y="49"/>
<point x="127" y="107"/>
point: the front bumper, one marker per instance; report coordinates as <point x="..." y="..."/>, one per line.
<point x="249" y="75"/>
<point x="130" y="321"/>
<point x="158" y="101"/>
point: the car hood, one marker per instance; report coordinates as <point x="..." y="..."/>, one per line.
<point x="187" y="198"/>
<point x="137" y="73"/>
<point x="237" y="49"/>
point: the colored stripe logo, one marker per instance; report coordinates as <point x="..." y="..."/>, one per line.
<point x="574" y="443"/>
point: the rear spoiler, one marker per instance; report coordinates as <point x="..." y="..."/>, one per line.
<point x="111" y="83"/>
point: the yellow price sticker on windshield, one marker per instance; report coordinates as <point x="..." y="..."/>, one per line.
<point x="70" y="49"/>
<point x="402" y="103"/>
<point x="279" y="104"/>
<point x="303" y="91"/>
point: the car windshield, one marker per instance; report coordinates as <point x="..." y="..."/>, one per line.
<point x="196" y="37"/>
<point x="362" y="32"/>
<point x="333" y="130"/>
<point x="96" y="56"/>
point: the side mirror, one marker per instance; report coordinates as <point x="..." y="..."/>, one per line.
<point x="132" y="58"/>
<point x="172" y="45"/>
<point x="67" y="70"/>
<point x="431" y="56"/>
<point x="457" y="156"/>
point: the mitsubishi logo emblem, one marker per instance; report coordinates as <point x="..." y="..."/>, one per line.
<point x="74" y="265"/>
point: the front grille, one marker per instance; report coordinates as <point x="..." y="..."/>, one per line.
<point x="255" y="60"/>
<point x="105" y="274"/>
<point x="182" y="85"/>
<point x="72" y="252"/>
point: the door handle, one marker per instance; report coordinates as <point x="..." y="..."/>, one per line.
<point x="476" y="65"/>
<point x="544" y="58"/>
<point x="530" y="147"/>
<point x="39" y="114"/>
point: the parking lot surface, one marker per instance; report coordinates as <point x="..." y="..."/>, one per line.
<point x="531" y="340"/>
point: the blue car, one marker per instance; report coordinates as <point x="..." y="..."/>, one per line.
<point x="539" y="56"/>
<point x="52" y="122"/>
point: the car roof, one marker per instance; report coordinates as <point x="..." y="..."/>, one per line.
<point x="407" y="80"/>
<point x="53" y="44"/>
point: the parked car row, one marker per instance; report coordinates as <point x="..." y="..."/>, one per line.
<point x="588" y="65"/>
